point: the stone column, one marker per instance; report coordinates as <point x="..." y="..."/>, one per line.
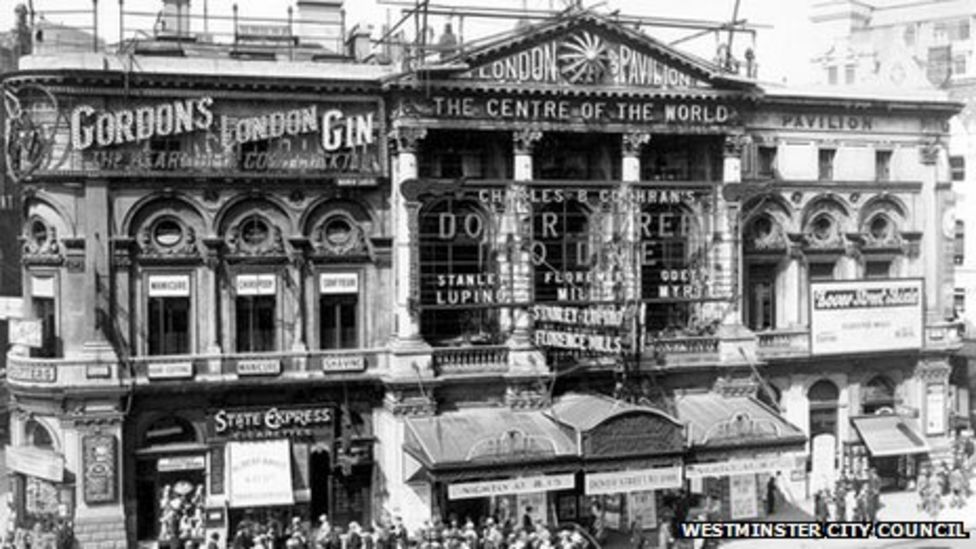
<point x="628" y="226"/>
<point x="411" y="356"/>
<point x="517" y="232"/>
<point x="97" y="251"/>
<point x="933" y="254"/>
<point x="736" y="343"/>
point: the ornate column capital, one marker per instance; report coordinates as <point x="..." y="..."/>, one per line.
<point x="734" y="144"/>
<point x="524" y="140"/>
<point x="633" y="142"/>
<point x="407" y="138"/>
<point x="928" y="152"/>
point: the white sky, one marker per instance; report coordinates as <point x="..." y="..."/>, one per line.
<point x="783" y="51"/>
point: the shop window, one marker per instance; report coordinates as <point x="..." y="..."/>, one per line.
<point x="832" y="76"/>
<point x="761" y="296"/>
<point x="767" y="161"/>
<point x="957" y="167"/>
<point x="959" y="243"/>
<point x="169" y="325"/>
<point x="457" y="273"/>
<point x="877" y="269"/>
<point x="825" y="164"/>
<point x="821" y="270"/>
<point x="882" y="165"/>
<point x="878" y="396"/>
<point x="338" y="328"/>
<point x="170" y="483"/>
<point x="680" y="158"/>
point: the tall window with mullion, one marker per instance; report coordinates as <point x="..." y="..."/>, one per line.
<point x="255" y="311"/>
<point x="459" y="282"/>
<point x="563" y="252"/>
<point x="671" y="258"/>
<point x="169" y="325"/>
<point x="338" y="327"/>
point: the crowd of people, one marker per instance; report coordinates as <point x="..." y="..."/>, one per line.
<point x="488" y="534"/>
<point x="855" y="498"/>
<point x="938" y="484"/>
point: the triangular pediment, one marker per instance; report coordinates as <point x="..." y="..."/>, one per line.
<point x="583" y="49"/>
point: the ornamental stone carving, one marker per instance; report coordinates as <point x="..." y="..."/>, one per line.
<point x="406" y="139"/>
<point x="524" y="140"/>
<point x="634" y="142"/>
<point x="929" y="152"/>
<point x="735" y="144"/>
<point x="403" y="404"/>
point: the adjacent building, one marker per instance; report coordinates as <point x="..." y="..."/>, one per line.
<point x="571" y="272"/>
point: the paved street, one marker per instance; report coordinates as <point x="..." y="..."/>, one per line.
<point x="898" y="506"/>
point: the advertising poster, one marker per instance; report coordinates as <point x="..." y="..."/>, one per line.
<point x="856" y="316"/>
<point x="935" y="409"/>
<point x="534" y="505"/>
<point x="642" y="508"/>
<point x="743" y="496"/>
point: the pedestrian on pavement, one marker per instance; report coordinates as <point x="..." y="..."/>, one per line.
<point x="956" y="487"/>
<point x="771" y="495"/>
<point x="820" y="511"/>
<point x="840" y="503"/>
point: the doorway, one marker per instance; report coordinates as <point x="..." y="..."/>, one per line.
<point x="320" y="475"/>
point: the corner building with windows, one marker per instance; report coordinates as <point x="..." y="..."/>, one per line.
<point x="565" y="273"/>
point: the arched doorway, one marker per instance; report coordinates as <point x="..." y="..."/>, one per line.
<point x="42" y="489"/>
<point x="170" y="479"/>
<point x="823" y="397"/>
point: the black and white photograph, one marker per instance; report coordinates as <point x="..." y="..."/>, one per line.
<point x="487" y="274"/>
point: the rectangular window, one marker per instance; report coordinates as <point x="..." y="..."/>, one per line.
<point x="959" y="301"/>
<point x="939" y="64"/>
<point x="877" y="269"/>
<point x="767" y="161"/>
<point x="338" y="310"/>
<point x="849" y="72"/>
<point x="959" y="244"/>
<point x="832" y="76"/>
<point x="255" y="312"/>
<point x="168" y="314"/>
<point x="338" y="329"/>
<point x="957" y="166"/>
<point x="43" y="309"/>
<point x="959" y="64"/>
<point x="761" y="309"/>
<point x="959" y="30"/>
<point x="825" y="160"/>
<point x="882" y="165"/>
<point x="169" y="325"/>
<point x="821" y="270"/>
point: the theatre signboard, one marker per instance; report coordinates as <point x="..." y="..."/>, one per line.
<point x="205" y="135"/>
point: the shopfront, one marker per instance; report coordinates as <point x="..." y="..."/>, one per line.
<point x="737" y="446"/>
<point x="891" y="444"/>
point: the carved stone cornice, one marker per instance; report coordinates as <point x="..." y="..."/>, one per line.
<point x="735" y="144"/>
<point x="406" y="139"/>
<point x="933" y="371"/>
<point x="633" y="142"/>
<point x="524" y="140"/>
<point x="929" y="152"/>
<point x="525" y="396"/>
<point x="402" y="404"/>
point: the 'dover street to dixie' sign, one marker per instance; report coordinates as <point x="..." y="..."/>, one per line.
<point x="204" y="134"/>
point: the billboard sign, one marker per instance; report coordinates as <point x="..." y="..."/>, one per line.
<point x="857" y="316"/>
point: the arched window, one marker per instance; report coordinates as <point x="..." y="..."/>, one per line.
<point x="562" y="254"/>
<point x="37" y="435"/>
<point x="877" y="395"/>
<point x="458" y="278"/>
<point x="823" y="397"/>
<point x="168" y="430"/>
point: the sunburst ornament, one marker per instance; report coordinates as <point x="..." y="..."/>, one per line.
<point x="583" y="58"/>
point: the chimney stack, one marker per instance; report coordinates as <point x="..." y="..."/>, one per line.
<point x="357" y="42"/>
<point x="175" y="18"/>
<point x="320" y="22"/>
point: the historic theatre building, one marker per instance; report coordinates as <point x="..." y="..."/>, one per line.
<point x="571" y="272"/>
